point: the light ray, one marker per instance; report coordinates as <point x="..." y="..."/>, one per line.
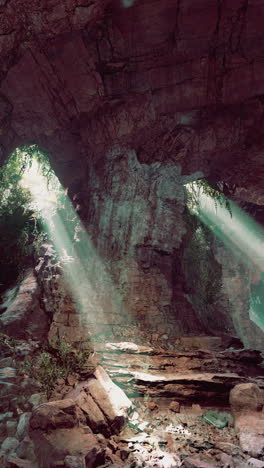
<point x="243" y="237"/>
<point x="86" y="276"/>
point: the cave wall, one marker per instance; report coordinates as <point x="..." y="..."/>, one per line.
<point x="131" y="103"/>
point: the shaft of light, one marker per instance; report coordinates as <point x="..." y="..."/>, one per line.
<point x="243" y="237"/>
<point x="87" y="279"/>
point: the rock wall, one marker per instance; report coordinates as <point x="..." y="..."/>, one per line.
<point x="131" y="103"/>
<point x="21" y="313"/>
<point x="218" y="284"/>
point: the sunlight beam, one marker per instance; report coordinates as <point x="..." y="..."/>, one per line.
<point x="86" y="276"/>
<point x="241" y="235"/>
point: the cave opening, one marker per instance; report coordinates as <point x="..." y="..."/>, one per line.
<point x="242" y="236"/>
<point x="37" y="206"/>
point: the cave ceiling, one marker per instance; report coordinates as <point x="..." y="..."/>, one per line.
<point x="176" y="80"/>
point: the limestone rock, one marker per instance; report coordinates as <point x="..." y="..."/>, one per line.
<point x="37" y="399"/>
<point x="24" y="313"/>
<point x="255" y="463"/>
<point x="94" y="416"/>
<point x="74" y="462"/>
<point x="23" y="424"/>
<point x="194" y="462"/>
<point x="54" y="446"/>
<point x="175" y="406"/>
<point x="9" y="445"/>
<point x="54" y="415"/>
<point x="246" y="396"/>
<point x="128" y="347"/>
<point x="252" y="443"/>
<point x="111" y="399"/>
<point x="152" y="405"/>
<point x="11" y="428"/>
<point x="250" y="428"/>
<point x="182" y="96"/>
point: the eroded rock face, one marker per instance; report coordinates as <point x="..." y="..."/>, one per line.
<point x="63" y="428"/>
<point x="24" y="314"/>
<point x="168" y="88"/>
<point x="245" y="397"/>
<point x="131" y="103"/>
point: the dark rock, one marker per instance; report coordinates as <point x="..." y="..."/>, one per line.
<point x="151" y="405"/>
<point x="94" y="416"/>
<point x="9" y="445"/>
<point x="53" y="446"/>
<point x="249" y="426"/>
<point x="111" y="400"/>
<point x="54" y="415"/>
<point x="247" y="396"/>
<point x="23" y="425"/>
<point x="74" y="462"/>
<point x="175" y="406"/>
<point x="190" y="462"/>
<point x="24" y="314"/>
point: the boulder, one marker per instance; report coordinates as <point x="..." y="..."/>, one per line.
<point x="54" y="415"/>
<point x="37" y="399"/>
<point x="246" y="396"/>
<point x="94" y="416"/>
<point x="25" y="449"/>
<point x="175" y="406"/>
<point x="9" y="445"/>
<point x="53" y="447"/>
<point x="255" y="463"/>
<point x="151" y="405"/>
<point x="61" y="430"/>
<point x="23" y="424"/>
<point x="74" y="462"/>
<point x="111" y="400"/>
<point x="251" y="443"/>
<point x="11" y="428"/>
<point x="250" y="429"/>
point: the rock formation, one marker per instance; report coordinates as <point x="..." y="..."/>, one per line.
<point x="132" y="100"/>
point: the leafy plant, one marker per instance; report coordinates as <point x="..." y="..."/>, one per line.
<point x="20" y="225"/>
<point x="44" y="369"/>
<point x="53" y="363"/>
<point x="201" y="186"/>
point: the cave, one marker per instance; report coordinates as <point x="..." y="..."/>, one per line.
<point x="131" y="330"/>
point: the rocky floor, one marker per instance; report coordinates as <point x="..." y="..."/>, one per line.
<point x="166" y="423"/>
<point x="169" y="439"/>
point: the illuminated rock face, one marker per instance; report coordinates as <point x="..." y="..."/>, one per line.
<point x="130" y="102"/>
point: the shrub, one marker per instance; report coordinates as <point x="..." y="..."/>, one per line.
<point x="49" y="365"/>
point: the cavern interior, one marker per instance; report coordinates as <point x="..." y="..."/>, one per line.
<point x="131" y="233"/>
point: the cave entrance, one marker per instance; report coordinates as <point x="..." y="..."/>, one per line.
<point x="243" y="240"/>
<point x="33" y="192"/>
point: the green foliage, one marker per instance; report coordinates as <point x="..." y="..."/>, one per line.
<point x="24" y="155"/>
<point x="53" y="363"/>
<point x="20" y="226"/>
<point x="44" y="369"/>
<point x="194" y="191"/>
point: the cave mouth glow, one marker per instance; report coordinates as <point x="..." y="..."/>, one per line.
<point x="86" y="276"/>
<point x="243" y="236"/>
